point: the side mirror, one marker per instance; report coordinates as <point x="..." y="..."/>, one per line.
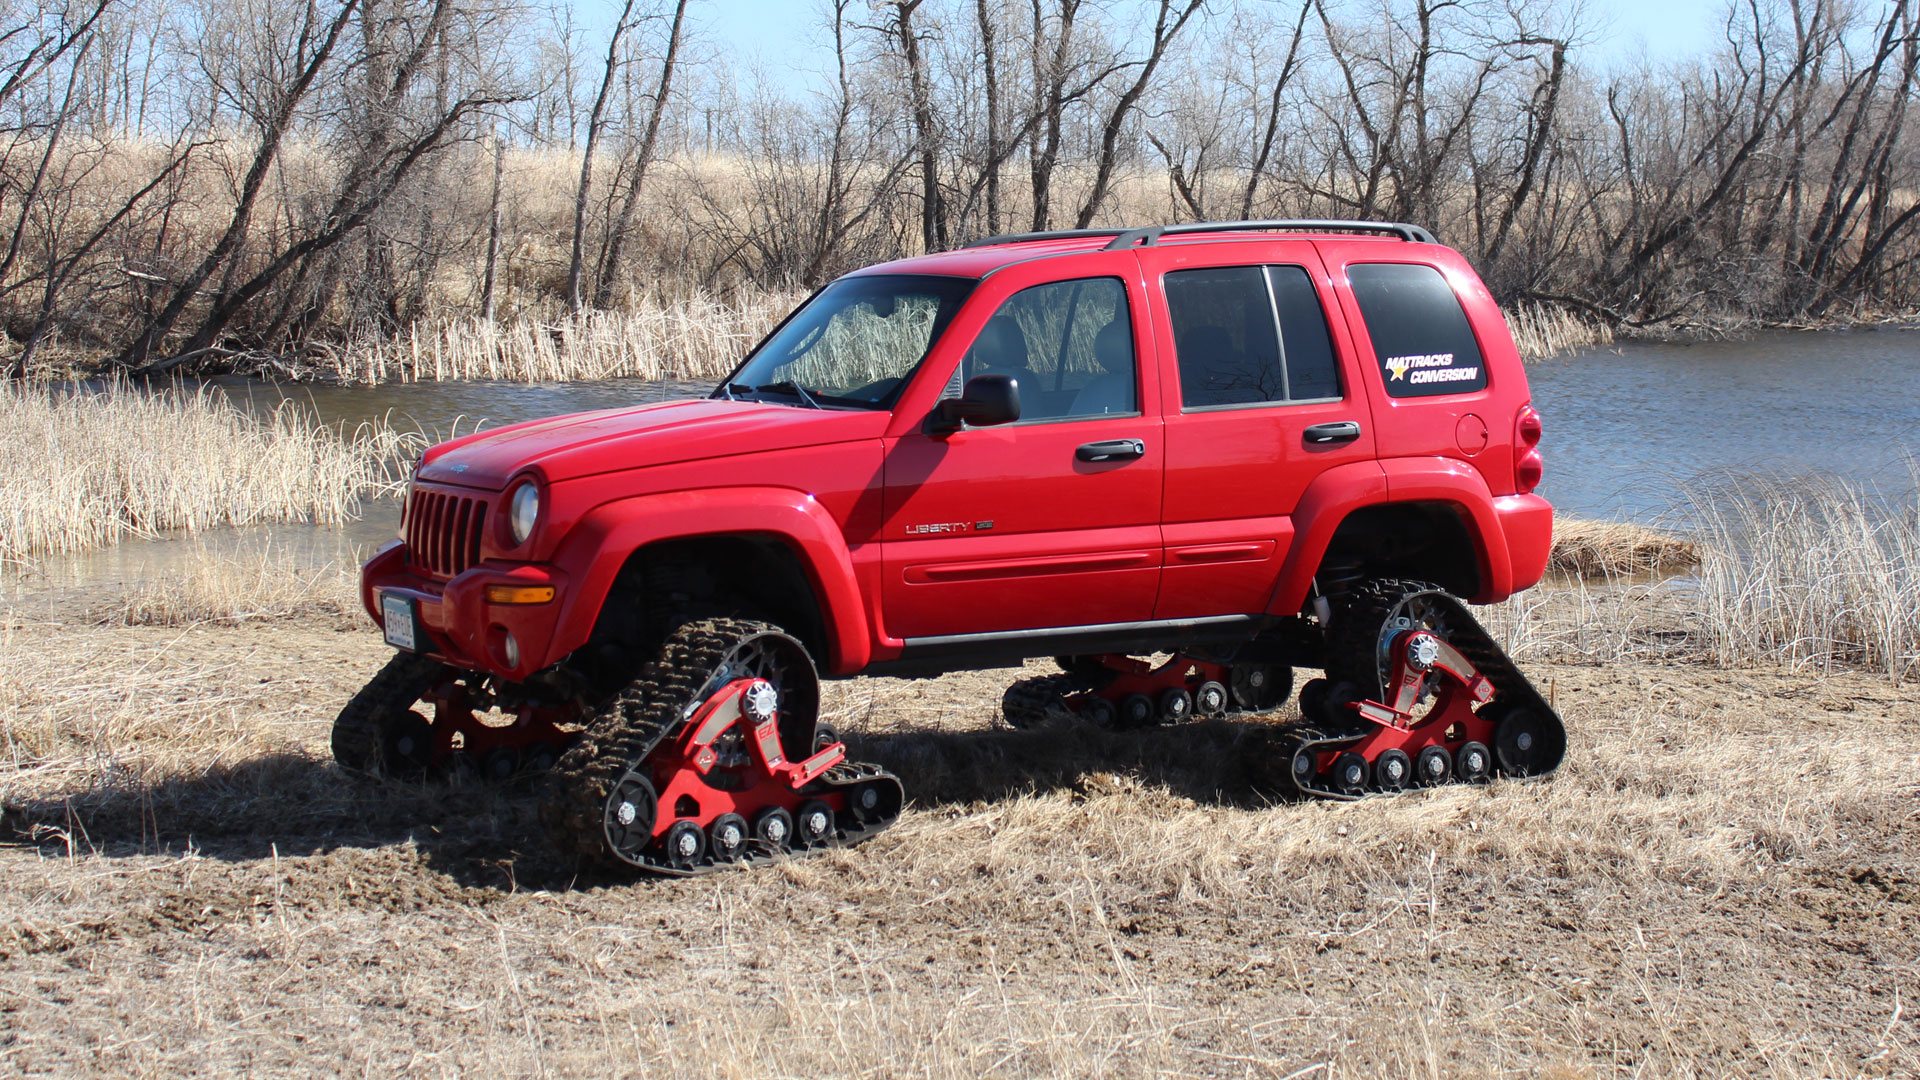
<point x="987" y="400"/>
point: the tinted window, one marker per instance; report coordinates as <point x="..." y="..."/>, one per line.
<point x="1225" y="340"/>
<point x="1420" y="335"/>
<point x="1312" y="371"/>
<point x="1069" y="344"/>
<point x="1223" y="337"/>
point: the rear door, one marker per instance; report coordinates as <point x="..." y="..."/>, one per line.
<point x="1261" y="398"/>
<point x="1052" y="521"/>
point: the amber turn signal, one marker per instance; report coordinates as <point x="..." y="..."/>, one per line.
<point x="519" y="594"/>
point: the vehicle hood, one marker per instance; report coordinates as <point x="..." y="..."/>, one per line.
<point x="586" y="444"/>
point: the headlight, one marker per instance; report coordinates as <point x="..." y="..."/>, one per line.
<point x="524" y="512"/>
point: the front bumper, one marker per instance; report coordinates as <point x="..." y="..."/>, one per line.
<point x="460" y="626"/>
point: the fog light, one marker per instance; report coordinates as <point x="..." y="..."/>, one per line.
<point x="510" y="649"/>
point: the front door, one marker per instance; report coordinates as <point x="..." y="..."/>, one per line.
<point x="1050" y="521"/>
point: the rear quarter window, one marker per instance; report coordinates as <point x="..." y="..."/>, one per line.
<point x="1421" y="336"/>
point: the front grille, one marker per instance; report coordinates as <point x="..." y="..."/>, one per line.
<point x="443" y="531"/>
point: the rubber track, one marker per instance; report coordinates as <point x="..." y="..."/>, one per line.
<point x="632" y="725"/>
<point x="356" y="731"/>
<point x="1354" y="649"/>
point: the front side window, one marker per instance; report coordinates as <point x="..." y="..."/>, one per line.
<point x="856" y="342"/>
<point x="1420" y="334"/>
<point x="1250" y="335"/>
<point x="1069" y="344"/>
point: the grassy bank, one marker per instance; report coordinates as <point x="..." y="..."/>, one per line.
<point x="88" y="468"/>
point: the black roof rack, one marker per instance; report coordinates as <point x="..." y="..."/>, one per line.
<point x="1412" y="234"/>
<point x="1126" y="238"/>
<point x="1057" y="234"/>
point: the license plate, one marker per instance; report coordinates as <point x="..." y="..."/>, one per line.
<point x="397" y="613"/>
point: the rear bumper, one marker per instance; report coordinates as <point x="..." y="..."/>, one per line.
<point x="462" y="627"/>
<point x="1527" y="523"/>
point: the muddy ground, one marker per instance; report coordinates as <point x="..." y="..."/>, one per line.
<point x="1724" y="880"/>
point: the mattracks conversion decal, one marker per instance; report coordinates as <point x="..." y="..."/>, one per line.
<point x="1427" y="368"/>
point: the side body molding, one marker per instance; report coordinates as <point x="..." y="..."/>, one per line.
<point x="598" y="545"/>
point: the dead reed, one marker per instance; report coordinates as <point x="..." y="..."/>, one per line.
<point x="1541" y="331"/>
<point x="1816" y="573"/>
<point x="90" y="466"/>
<point x="697" y="336"/>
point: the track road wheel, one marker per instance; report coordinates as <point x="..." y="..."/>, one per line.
<point x="1136" y="711"/>
<point x="684" y="844"/>
<point x="1473" y="764"/>
<point x="1210" y="701"/>
<point x="1350" y="774"/>
<point x="1101" y="714"/>
<point x="727" y="837"/>
<point x="541" y="756"/>
<point x="1176" y="705"/>
<point x="773" y="827"/>
<point x="1392" y="770"/>
<point x="1433" y="766"/>
<point x="1360" y="642"/>
<point x="595" y="777"/>
<point x="813" y="823"/>
<point x="501" y="764"/>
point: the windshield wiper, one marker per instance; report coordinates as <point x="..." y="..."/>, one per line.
<point x="793" y="388"/>
<point x="732" y="388"/>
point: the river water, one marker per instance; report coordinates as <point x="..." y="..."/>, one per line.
<point x="1630" y="429"/>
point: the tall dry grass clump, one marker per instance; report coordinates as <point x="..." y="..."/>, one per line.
<point x="1812" y="573"/>
<point x="698" y="336"/>
<point x="1541" y="331"/>
<point x="1615" y="549"/>
<point x="85" y="468"/>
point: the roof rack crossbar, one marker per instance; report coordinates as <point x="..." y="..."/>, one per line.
<point x="1413" y="234"/>
<point x="1056" y="234"/>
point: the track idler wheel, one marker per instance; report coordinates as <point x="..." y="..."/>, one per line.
<point x="1525" y="744"/>
<point x="1259" y="687"/>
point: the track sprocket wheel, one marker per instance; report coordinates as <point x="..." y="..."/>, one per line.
<point x="694" y="662"/>
<point x="1360" y="645"/>
<point x="375" y="734"/>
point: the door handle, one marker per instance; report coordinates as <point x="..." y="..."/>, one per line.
<point x="1337" y="432"/>
<point x="1112" y="450"/>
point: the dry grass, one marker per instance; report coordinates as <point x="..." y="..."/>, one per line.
<point x="1541" y="331"/>
<point x="1720" y="882"/>
<point x="699" y="336"/>
<point x="230" y="588"/>
<point x="95" y="466"/>
<point x="1815" y="573"/>
<point x="1616" y="549"/>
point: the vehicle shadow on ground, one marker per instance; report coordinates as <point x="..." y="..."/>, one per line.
<point x="490" y="836"/>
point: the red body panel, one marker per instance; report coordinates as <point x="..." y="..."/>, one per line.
<point x="908" y="534"/>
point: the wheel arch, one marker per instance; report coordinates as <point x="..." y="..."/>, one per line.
<point x="1426" y="518"/>
<point x="777" y="550"/>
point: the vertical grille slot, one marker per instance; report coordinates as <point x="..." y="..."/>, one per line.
<point x="443" y="532"/>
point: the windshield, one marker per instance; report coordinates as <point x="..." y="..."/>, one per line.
<point x="855" y="343"/>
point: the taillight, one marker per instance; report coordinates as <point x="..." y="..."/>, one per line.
<point x="1528" y="466"/>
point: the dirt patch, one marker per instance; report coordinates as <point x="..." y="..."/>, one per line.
<point x="1722" y="881"/>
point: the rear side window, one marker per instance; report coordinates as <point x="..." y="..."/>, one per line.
<point x="1249" y="335"/>
<point x="1420" y="334"/>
